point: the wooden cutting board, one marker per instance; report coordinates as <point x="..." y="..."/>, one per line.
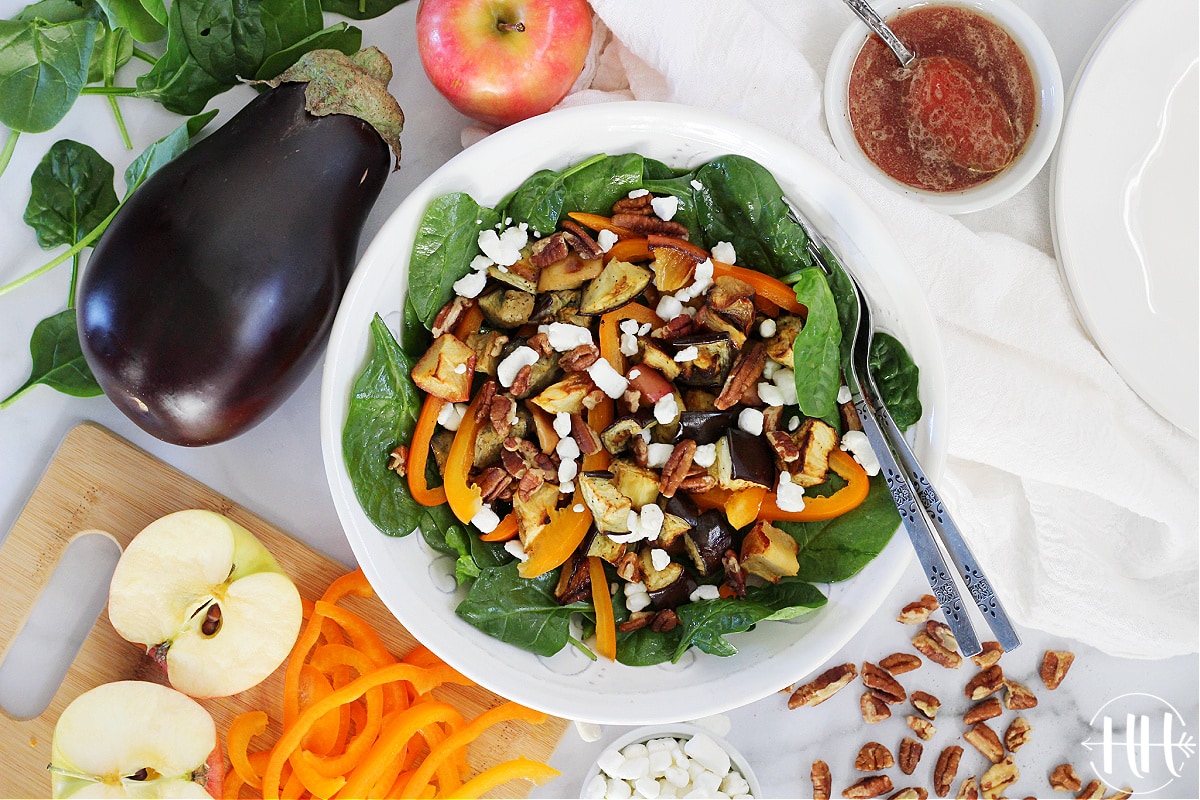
<point x="98" y="481"/>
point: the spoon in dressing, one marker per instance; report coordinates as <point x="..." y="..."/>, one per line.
<point x="954" y="111"/>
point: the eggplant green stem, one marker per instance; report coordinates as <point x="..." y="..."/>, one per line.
<point x="10" y="144"/>
<point x="86" y="241"/>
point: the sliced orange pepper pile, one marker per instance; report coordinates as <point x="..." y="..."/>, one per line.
<point x="358" y="723"/>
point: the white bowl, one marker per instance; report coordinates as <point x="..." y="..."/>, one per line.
<point x="1048" y="120"/>
<point x="682" y="732"/>
<point x="417" y="584"/>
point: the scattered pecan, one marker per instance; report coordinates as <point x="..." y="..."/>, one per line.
<point x="633" y="205"/>
<point x="910" y="793"/>
<point x="594" y="398"/>
<point x="824" y="686"/>
<point x="968" y="789"/>
<point x="909" y="754"/>
<point x="882" y="685"/>
<point x="926" y="703"/>
<point x="899" y="663"/>
<point x="676" y="469"/>
<point x="513" y="464"/>
<point x="584" y="436"/>
<point x="735" y="578"/>
<point x="873" y="709"/>
<point x="520" y="384"/>
<point x="941" y="632"/>
<point x="1055" y="664"/>
<point x="491" y="482"/>
<point x="581" y="240"/>
<point x="1093" y="791"/>
<point x="398" y="460"/>
<point x="989" y="655"/>
<point x="640" y="451"/>
<point x="822" y="782"/>
<point x="921" y="727"/>
<point x="1017" y="734"/>
<point x="784" y="445"/>
<point x="1063" y="778"/>
<point x="932" y="649"/>
<point x="541" y="343"/>
<point x="649" y="224"/>
<point x="986" y="682"/>
<point x="450" y="314"/>
<point x="1124" y="794"/>
<point x="873" y="757"/>
<point x="918" y="611"/>
<point x="1017" y="696"/>
<point x="683" y="325"/>
<point x="500" y="412"/>
<point x="982" y="711"/>
<point x="637" y="620"/>
<point x="548" y="250"/>
<point x="745" y="373"/>
<point x="698" y="483"/>
<point x="529" y="483"/>
<point x="946" y="769"/>
<point x="985" y="740"/>
<point x="870" y="786"/>
<point x="629" y="567"/>
<point x="664" y="621"/>
<point x="580" y="358"/>
<point x="772" y="419"/>
<point x="484" y="398"/>
<point x="999" y="777"/>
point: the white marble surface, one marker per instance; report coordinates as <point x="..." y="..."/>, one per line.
<point x="276" y="470"/>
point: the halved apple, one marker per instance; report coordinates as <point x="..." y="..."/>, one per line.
<point x="135" y="739"/>
<point x="207" y="601"/>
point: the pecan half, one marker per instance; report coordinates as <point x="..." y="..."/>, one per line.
<point x="745" y="373"/>
<point x="824" y="686"/>
<point x="500" y="412"/>
<point x="520" y="384"/>
<point x="486" y="393"/>
<point x="926" y="703"/>
<point x="982" y="711"/>
<point x="873" y="757"/>
<point x="882" y="685"/>
<point x="985" y="740"/>
<point x="918" y="611"/>
<point x="822" y="782"/>
<point x="640" y="451"/>
<point x="648" y="224"/>
<point x="921" y="727"/>
<point x="870" y="786"/>
<point x="587" y="439"/>
<point x="629" y="567"/>
<point x="683" y="325"/>
<point x="999" y="777"/>
<point x="946" y="769"/>
<point x="450" y="314"/>
<point x="580" y="358"/>
<point x="491" y="482"/>
<point x="637" y="620"/>
<point x="909" y="754"/>
<point x="735" y="578"/>
<point x="968" y="789"/>
<point x="676" y="469"/>
<point x="1093" y="791"/>
<point x="1063" y="778"/>
<point x="989" y="655"/>
<point x="1124" y="794"/>
<point x="581" y="240"/>
<point x="513" y="463"/>
<point x="784" y="445"/>
<point x="873" y="709"/>
<point x="633" y="205"/>
<point x="548" y="250"/>
<point x="398" y="460"/>
<point x="1017" y="734"/>
<point x="941" y="632"/>
<point x="910" y="793"/>
<point x="698" y="483"/>
<point x="1017" y="696"/>
<point x="529" y="483"/>
<point x="664" y="621"/>
<point x="1055" y="664"/>
<point x="932" y="649"/>
<point x="900" y="663"/>
<point x="540" y="342"/>
<point x="986" y="682"/>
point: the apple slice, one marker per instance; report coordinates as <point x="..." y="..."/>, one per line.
<point x="135" y="739"/>
<point x="207" y="601"/>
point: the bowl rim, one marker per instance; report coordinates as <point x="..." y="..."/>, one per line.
<point x="678" y="730"/>
<point x="1029" y="162"/>
<point x="683" y="136"/>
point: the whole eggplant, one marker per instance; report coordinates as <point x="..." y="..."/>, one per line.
<point x="212" y="293"/>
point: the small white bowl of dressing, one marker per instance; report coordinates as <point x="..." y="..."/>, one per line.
<point x="864" y="83"/>
<point x="679" y="759"/>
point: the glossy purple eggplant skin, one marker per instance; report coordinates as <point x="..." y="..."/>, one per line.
<point x="212" y="293"/>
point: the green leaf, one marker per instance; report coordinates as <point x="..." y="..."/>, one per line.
<point x="71" y="193"/>
<point x="341" y="37"/>
<point x="446" y="241"/>
<point x="520" y="611"/>
<point x="836" y="549"/>
<point x="817" y="351"/>
<point x="897" y="377"/>
<point x="60" y="11"/>
<point x="146" y="20"/>
<point x="43" y="67"/>
<point x="591" y="186"/>
<point x="706" y="623"/>
<point x="106" y="38"/>
<point x="165" y="150"/>
<point x="360" y="9"/>
<point x="57" y="360"/>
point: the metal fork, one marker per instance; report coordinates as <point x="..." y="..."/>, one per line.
<point x="908" y="484"/>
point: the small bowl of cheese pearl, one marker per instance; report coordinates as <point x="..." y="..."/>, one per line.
<point x="670" y="761"/>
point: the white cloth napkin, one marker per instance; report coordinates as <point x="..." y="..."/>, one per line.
<point x="1079" y="500"/>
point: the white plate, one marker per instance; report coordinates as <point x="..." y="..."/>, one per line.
<point x="416" y="584"/>
<point x="1126" y="202"/>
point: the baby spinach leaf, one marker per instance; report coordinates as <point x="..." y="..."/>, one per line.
<point x="146" y="20"/>
<point x="43" y="67"/>
<point x="71" y="193"/>
<point x="520" y="611"/>
<point x="57" y="360"/>
<point x="165" y="150"/>
<point x="705" y="624"/>
<point x="360" y="9"/>
<point x="592" y="186"/>
<point x="817" y="351"/>
<point x="645" y="647"/>
<point x="113" y="47"/>
<point x="836" y="549"/>
<point x="341" y="37"/>
<point x="60" y="11"/>
<point x="446" y="241"/>
<point x="896" y="376"/>
<point x="177" y="80"/>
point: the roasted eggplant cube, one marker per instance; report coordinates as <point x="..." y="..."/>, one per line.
<point x="533" y="514"/>
<point x="656" y="358"/>
<point x="708" y="540"/>
<point x="566" y="396"/>
<point x="507" y="308"/>
<point x="616" y="436"/>
<point x="559" y="306"/>
<point x="668" y="587"/>
<point x="780" y="346"/>
<point x="769" y="552"/>
<point x="574" y="581"/>
<point x="619" y="283"/>
<point x="610" y="509"/>
<point x="521" y="275"/>
<point x="569" y="273"/>
<point x="710" y="367"/>
<point x="488" y="347"/>
<point x="446" y="370"/>
<point x="744" y="460"/>
<point x="489" y="443"/>
<point x="603" y="547"/>
<point x="816" y="440"/>
<point x="639" y="484"/>
<point x="704" y="427"/>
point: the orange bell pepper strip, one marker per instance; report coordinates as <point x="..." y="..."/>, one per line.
<point x="293" y="788"/>
<point x="606" y="625"/>
<point x="503" y="772"/>
<point x="306" y="767"/>
<point x="418" y="454"/>
<point x="742" y="507"/>
<point x="558" y="539"/>
<point x="351" y="583"/>
<point x="291" y="676"/>
<point x="464" y="498"/>
<point x="399" y="729"/>
<point x="231" y="786"/>
<point x="470" y="322"/>
<point x="242" y="729"/>
<point x="816" y="507"/>
<point x="633" y="249"/>
<point x="598" y="222"/>
<point x="774" y="290"/>
<point x="325" y="733"/>
<point x="507" y="529"/>
<point x="598" y="419"/>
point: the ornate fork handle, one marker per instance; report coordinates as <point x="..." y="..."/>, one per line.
<point x="863" y="10"/>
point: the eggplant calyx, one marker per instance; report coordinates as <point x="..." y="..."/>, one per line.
<point x="354" y="85"/>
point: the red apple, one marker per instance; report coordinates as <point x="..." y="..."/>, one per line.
<point x="501" y="61"/>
